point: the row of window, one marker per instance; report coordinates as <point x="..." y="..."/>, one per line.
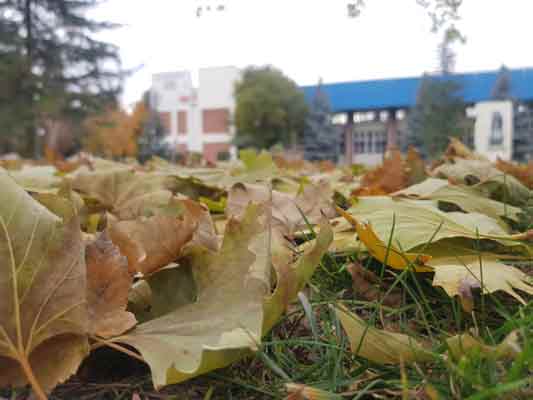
<point x="214" y="120"/>
<point x="370" y="142"/>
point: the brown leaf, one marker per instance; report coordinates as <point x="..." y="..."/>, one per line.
<point x="366" y="285"/>
<point x="456" y="149"/>
<point x="415" y="167"/>
<point x="524" y="173"/>
<point x="160" y="239"/>
<point x="314" y="201"/>
<point x="388" y="178"/>
<point x="108" y="285"/>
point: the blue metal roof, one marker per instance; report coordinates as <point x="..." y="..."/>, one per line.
<point x="401" y="93"/>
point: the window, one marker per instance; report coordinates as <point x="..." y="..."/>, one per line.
<point x="182" y="122"/>
<point x="169" y="85"/>
<point x="216" y="120"/>
<point x="496" y="130"/>
<point x="164" y="117"/>
<point x="380" y="143"/>
<point x="358" y="143"/>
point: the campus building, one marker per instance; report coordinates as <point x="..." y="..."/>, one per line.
<point x="197" y="119"/>
<point x="373" y="113"/>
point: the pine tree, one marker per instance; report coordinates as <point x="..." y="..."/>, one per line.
<point x="321" y="137"/>
<point x="52" y="68"/>
<point x="439" y="112"/>
<point x="502" y="87"/>
<point x="151" y="140"/>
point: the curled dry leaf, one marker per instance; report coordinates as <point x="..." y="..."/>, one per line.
<point x="43" y="313"/>
<point x="152" y="243"/>
<point x="234" y="307"/>
<point x="225" y="322"/>
<point x="108" y="285"/>
<point x="287" y="210"/>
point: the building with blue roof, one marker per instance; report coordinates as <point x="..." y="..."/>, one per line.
<point x="373" y="111"/>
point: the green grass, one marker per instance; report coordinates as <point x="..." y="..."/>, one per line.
<point x="309" y="346"/>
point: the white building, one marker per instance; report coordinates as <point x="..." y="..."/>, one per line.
<point x="493" y="130"/>
<point x="197" y="119"/>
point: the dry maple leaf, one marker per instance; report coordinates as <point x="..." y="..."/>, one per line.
<point x="388" y="178"/>
<point x="524" y="173"/>
<point x="43" y="312"/>
<point x="108" y="285"/>
<point x="152" y="243"/>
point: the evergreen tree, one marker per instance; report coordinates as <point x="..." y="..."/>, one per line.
<point x="51" y="68"/>
<point x="439" y="112"/>
<point x="151" y="140"/>
<point x="502" y="87"/>
<point x="321" y="137"/>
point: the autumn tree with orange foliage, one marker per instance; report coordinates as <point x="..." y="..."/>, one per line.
<point x="114" y="134"/>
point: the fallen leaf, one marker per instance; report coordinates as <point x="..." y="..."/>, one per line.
<point x="125" y="193"/>
<point x="304" y="392"/>
<point x="466" y="198"/>
<point x="457" y="275"/>
<point x="460" y="345"/>
<point x="388" y="178"/>
<point x="108" y="285"/>
<point x="366" y="285"/>
<point x="288" y="210"/>
<point x="524" y="173"/>
<point x="417" y="222"/>
<point x="456" y="149"/>
<point x="165" y="291"/>
<point x="43" y="315"/>
<point x="415" y="167"/>
<point x="378" y="345"/>
<point x="152" y="243"/>
<point x="388" y="255"/>
<point x="226" y="321"/>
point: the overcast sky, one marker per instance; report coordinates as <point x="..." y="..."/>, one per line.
<point x="309" y="39"/>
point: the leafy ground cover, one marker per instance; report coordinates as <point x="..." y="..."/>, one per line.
<point x="266" y="279"/>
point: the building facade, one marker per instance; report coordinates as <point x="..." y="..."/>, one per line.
<point x="197" y="119"/>
<point x="373" y="113"/>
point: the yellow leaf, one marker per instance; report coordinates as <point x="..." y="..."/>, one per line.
<point x="458" y="275"/>
<point x="388" y="255"/>
<point x="378" y="345"/>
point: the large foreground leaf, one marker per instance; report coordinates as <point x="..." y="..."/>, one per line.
<point x="226" y="320"/>
<point x="234" y="307"/>
<point x="43" y="312"/>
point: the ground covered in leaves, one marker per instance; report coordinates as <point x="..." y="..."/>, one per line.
<point x="266" y="279"/>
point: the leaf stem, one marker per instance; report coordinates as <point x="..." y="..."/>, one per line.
<point x="26" y="367"/>
<point x="102" y="343"/>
